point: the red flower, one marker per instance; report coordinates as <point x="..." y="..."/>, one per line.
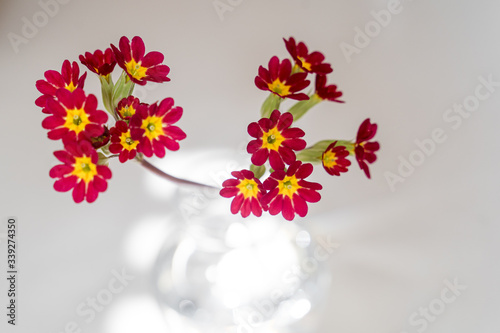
<point x="289" y="193"/>
<point x="74" y="116"/>
<point x="68" y="78"/>
<point x="308" y="62"/>
<point x="139" y="67"/>
<point x="247" y="191"/>
<point x="152" y="126"/>
<point x="101" y="63"/>
<point x="127" y="107"/>
<point x="327" y="92"/>
<point x="279" y="80"/>
<point x="275" y="140"/>
<point x="122" y="142"/>
<point x="364" y="149"/>
<point x="101" y="140"/>
<point x="80" y="172"/>
<point x="334" y="159"/>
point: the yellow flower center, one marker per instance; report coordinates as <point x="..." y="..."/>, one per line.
<point x="70" y="86"/>
<point x="329" y="159"/>
<point x="135" y="69"/>
<point x="272" y="139"/>
<point x="153" y="126"/>
<point x="249" y="188"/>
<point x="127" y="142"/>
<point x="305" y="64"/>
<point x="279" y="87"/>
<point x="288" y="186"/>
<point x="84" y="169"/>
<point x="127" y="111"/>
<point x="76" y="120"/>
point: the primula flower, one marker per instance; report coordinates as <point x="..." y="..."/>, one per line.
<point x="80" y="171"/>
<point x="101" y="140"/>
<point x="140" y="67"/>
<point x="247" y="191"/>
<point x="127" y="107"/>
<point x="289" y="193"/>
<point x="279" y="80"/>
<point x="152" y="126"/>
<point x="334" y="159"/>
<point x="122" y="142"/>
<point x="330" y="92"/>
<point x="69" y="78"/>
<point x="74" y="116"/>
<point x="308" y="62"/>
<point x="275" y="140"/>
<point x="101" y="63"/>
<point x="364" y="149"/>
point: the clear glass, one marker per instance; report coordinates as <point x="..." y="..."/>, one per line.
<point x="221" y="273"/>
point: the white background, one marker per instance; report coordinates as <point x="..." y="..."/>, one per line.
<point x="397" y="247"/>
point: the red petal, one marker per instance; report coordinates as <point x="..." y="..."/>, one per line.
<point x="299" y="205"/>
<point x="260" y="156"/>
<point x="65" y="184"/>
<point x="236" y="204"/>
<point x="79" y="192"/>
<point x="287" y="211"/>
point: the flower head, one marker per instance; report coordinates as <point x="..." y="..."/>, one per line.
<point x="101" y="63"/>
<point x="152" y="126"/>
<point x="289" y="193"/>
<point x="122" y="142"/>
<point x="330" y="92"/>
<point x="69" y="79"/>
<point x="365" y="149"/>
<point x="127" y="107"/>
<point x="274" y="139"/>
<point x="140" y="67"/>
<point x="334" y="159"/>
<point x="101" y="140"/>
<point x="74" y="116"/>
<point x="308" y="62"/>
<point x="279" y="80"/>
<point x="247" y="192"/>
<point x="80" y="171"/>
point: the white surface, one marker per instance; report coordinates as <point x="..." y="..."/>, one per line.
<point x="397" y="247"/>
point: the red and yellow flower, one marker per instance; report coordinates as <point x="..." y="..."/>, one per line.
<point x="122" y="142"/>
<point x="288" y="192"/>
<point x="247" y="192"/>
<point x="274" y="139"/>
<point x="308" y="62"/>
<point x="101" y="63"/>
<point x="80" y="171"/>
<point x="140" y="67"/>
<point x="152" y="127"/>
<point x="69" y="79"/>
<point x="74" y="116"/>
<point x="127" y="107"/>
<point x="334" y="159"/>
<point x="279" y="80"/>
<point x="325" y="92"/>
<point x="365" y="149"/>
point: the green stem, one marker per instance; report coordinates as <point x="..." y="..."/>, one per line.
<point x="300" y="108"/>
<point x="107" y="92"/>
<point x="168" y="177"/>
<point x="271" y="103"/>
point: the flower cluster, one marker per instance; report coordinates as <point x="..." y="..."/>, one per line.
<point x="139" y="129"/>
<point x="277" y="143"/>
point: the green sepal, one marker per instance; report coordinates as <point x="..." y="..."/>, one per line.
<point x="314" y="153"/>
<point x="271" y="103"/>
<point x="123" y="88"/>
<point x="107" y="92"/>
<point x="103" y="159"/>
<point x="300" y="108"/>
<point x="258" y="171"/>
